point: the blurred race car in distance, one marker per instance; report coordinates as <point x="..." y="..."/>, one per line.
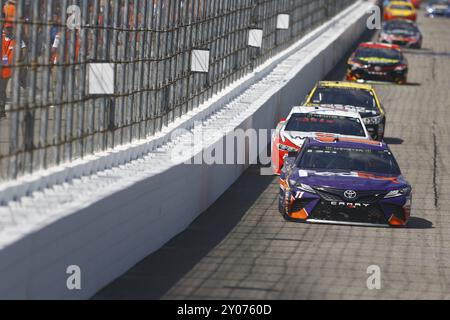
<point x="378" y="62"/>
<point x="304" y="122"/>
<point x="401" y="32"/>
<point x="400" y="10"/>
<point x="354" y="97"/>
<point x="416" y="3"/>
<point x="342" y="181"/>
<point x="438" y="8"/>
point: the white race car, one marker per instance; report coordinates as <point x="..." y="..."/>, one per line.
<point x="310" y="122"/>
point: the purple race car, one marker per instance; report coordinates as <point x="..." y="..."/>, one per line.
<point x="344" y="181"/>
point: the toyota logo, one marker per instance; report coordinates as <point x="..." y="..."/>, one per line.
<point x="377" y="68"/>
<point x="350" y="194"/>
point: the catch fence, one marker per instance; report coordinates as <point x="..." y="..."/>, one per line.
<point x="60" y="47"/>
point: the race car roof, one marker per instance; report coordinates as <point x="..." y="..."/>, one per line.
<point x="347" y="143"/>
<point x="377" y="45"/>
<point x="325" y="111"/>
<point x="397" y="2"/>
<point x="346" y="85"/>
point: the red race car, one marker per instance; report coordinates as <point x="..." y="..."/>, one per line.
<point x="313" y="122"/>
<point x="378" y="62"/>
<point x="416" y="3"/>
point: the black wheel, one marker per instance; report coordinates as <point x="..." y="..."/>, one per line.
<point x="285" y="208"/>
<point x="401" y="81"/>
<point x="381" y="137"/>
<point x="281" y="202"/>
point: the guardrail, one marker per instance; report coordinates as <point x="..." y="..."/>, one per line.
<point x="60" y="105"/>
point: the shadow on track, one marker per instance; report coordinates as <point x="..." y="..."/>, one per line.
<point x="412" y="84"/>
<point x="419" y="223"/>
<point x="394" y="141"/>
<point x="427" y="52"/>
<point x="153" y="277"/>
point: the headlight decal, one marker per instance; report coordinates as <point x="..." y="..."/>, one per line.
<point x="401" y="68"/>
<point x="373" y="120"/>
<point x="398" y="193"/>
<point x="286" y="148"/>
<point x="305" y="187"/>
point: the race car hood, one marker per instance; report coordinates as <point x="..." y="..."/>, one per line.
<point x="298" y="137"/>
<point x="400" y="12"/>
<point x="377" y="61"/>
<point x="439" y="7"/>
<point x="349" y="180"/>
<point x="364" y="112"/>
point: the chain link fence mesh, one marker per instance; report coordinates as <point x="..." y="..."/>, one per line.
<point x="48" y="117"/>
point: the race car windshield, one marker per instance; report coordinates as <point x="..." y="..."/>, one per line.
<point x="326" y="124"/>
<point x="358" y="100"/>
<point x="367" y="53"/>
<point x="401" y="28"/>
<point x="438" y="2"/>
<point x="400" y="7"/>
<point x="347" y="159"/>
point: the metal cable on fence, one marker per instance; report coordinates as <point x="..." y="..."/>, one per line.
<point x="51" y="118"/>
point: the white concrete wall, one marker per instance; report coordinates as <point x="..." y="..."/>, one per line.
<point x="106" y="227"/>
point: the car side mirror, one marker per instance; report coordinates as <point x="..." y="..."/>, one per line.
<point x="282" y="120"/>
<point x="305" y="100"/>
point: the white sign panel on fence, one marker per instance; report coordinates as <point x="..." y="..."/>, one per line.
<point x="255" y="38"/>
<point x="101" y="78"/>
<point x="200" y="61"/>
<point x="283" y="21"/>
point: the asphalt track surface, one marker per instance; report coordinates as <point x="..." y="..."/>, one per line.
<point x="241" y="248"/>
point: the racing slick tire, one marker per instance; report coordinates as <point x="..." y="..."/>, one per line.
<point x="284" y="206"/>
<point x="285" y="210"/>
<point x="381" y="137"/>
<point x="402" y="81"/>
